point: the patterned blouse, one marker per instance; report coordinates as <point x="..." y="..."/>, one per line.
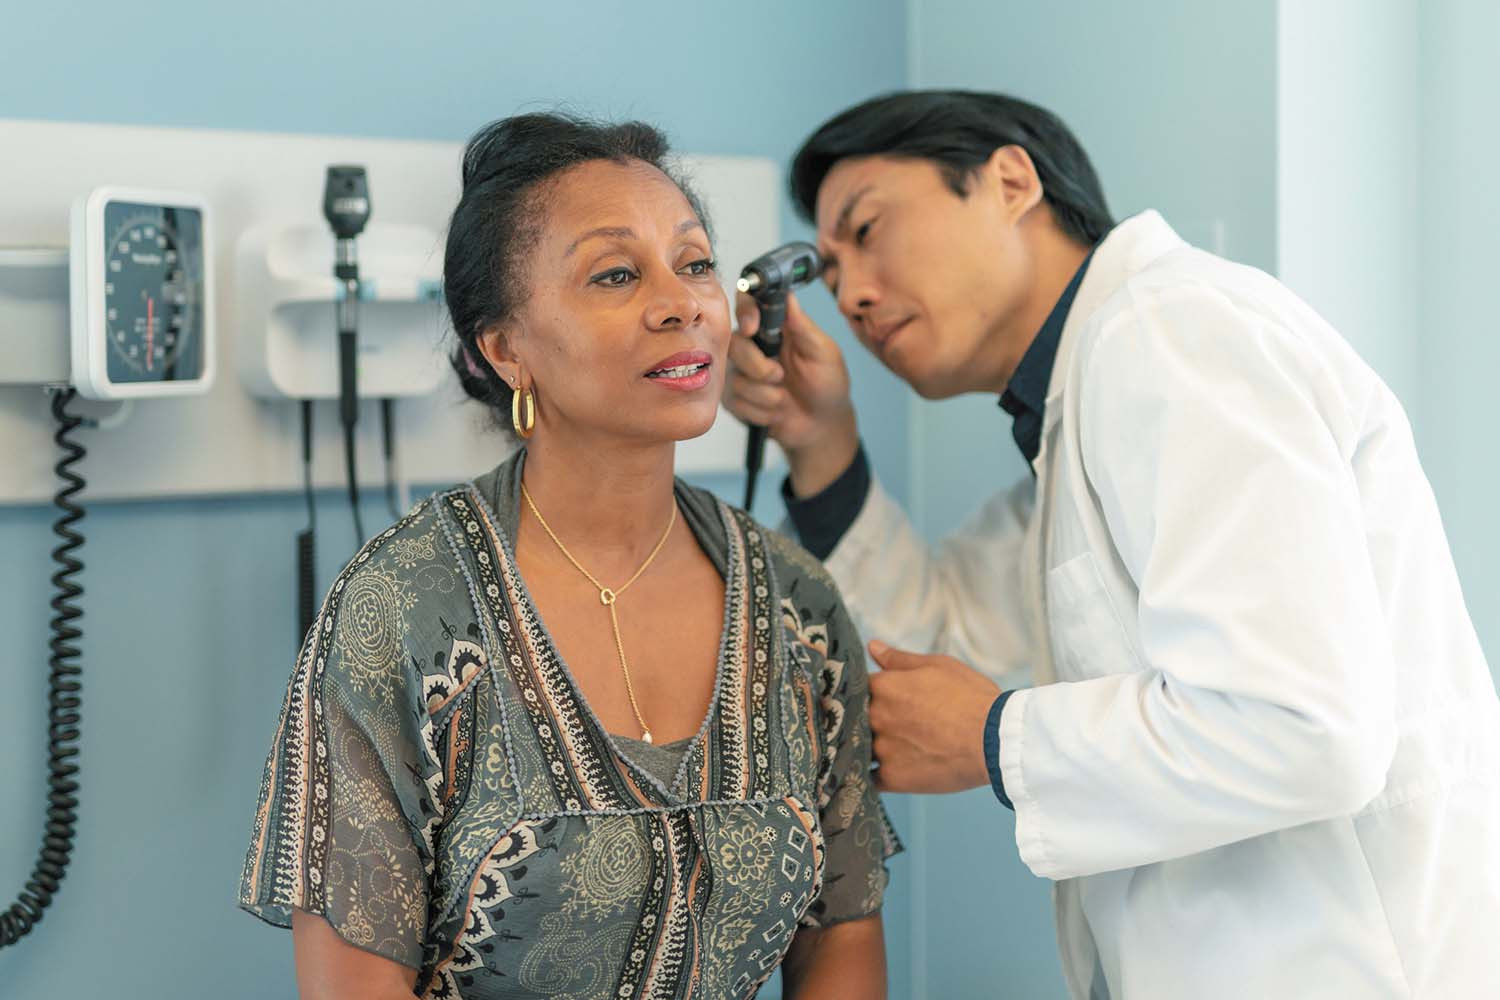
<point x="439" y="790"/>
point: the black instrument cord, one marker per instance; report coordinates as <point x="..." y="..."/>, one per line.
<point x="65" y="691"/>
<point x="307" y="595"/>
<point x="388" y="439"/>
<point x="755" y="450"/>
<point x="349" y="412"/>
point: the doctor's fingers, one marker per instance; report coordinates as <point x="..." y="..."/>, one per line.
<point x="806" y="339"/>
<point x="761" y="405"/>
<point x="889" y="702"/>
<point x="746" y="314"/>
<point x="747" y="360"/>
<point x="912" y="706"/>
<point x="896" y="771"/>
<point x="767" y="397"/>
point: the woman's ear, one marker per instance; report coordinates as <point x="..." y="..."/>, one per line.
<point x="496" y="343"/>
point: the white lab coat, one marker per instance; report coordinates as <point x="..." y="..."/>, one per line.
<point x="1262" y="754"/>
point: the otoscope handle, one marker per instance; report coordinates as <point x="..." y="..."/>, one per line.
<point x="768" y="339"/>
<point x="772" y="322"/>
<point x="348" y="374"/>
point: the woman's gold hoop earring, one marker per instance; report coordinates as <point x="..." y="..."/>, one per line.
<point x="526" y="426"/>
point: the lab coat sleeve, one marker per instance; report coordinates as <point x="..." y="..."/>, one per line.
<point x="961" y="598"/>
<point x="1219" y="447"/>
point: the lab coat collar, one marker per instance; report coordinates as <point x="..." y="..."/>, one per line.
<point x="1129" y="248"/>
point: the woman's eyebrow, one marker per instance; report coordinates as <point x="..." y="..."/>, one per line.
<point x="616" y="232"/>
<point x="624" y="233"/>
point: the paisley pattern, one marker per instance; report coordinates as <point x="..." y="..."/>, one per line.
<point x="439" y="792"/>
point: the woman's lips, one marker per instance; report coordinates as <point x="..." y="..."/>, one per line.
<point x="685" y="371"/>
<point x="696" y="378"/>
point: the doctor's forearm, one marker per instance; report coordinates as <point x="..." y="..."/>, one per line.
<point x="822" y="520"/>
<point x="962" y="598"/>
<point x="1133" y="769"/>
<point x="813" y="467"/>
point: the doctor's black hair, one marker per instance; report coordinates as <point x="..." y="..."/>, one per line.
<point x="500" y="214"/>
<point x="958" y="130"/>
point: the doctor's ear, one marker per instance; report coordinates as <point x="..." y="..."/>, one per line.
<point x="1010" y="170"/>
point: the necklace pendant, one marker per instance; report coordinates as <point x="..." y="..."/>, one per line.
<point x="606" y="597"/>
<point x="646" y="736"/>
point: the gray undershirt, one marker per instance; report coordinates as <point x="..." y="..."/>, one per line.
<point x="661" y="762"/>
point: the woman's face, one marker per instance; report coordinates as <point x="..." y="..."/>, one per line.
<point x="624" y="328"/>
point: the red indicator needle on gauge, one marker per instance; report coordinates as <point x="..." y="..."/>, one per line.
<point x="150" y="328"/>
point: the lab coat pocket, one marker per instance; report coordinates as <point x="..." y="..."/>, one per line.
<point x="1087" y="637"/>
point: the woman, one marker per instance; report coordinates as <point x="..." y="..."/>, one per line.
<point x="577" y="729"/>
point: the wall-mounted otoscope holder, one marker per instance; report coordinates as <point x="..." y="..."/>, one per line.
<point x="288" y="346"/>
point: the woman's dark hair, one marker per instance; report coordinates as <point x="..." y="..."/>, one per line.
<point x="958" y="130"/>
<point x="499" y="217"/>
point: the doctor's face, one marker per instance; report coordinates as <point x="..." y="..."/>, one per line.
<point x="929" y="280"/>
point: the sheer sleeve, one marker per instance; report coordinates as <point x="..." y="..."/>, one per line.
<point x="347" y="799"/>
<point x="858" y="836"/>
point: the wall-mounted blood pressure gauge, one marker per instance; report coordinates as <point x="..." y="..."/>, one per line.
<point x="142" y="294"/>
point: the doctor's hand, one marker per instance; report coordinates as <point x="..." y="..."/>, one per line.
<point x="927" y="714"/>
<point x="802" y="397"/>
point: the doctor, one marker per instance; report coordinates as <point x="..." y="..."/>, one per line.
<point x="1261" y="753"/>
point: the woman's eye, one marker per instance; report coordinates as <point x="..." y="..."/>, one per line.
<point x="617" y="278"/>
<point x="863" y="233"/>
<point x="698" y="268"/>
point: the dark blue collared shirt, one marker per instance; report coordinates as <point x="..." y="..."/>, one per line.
<point x="1025" y="397"/>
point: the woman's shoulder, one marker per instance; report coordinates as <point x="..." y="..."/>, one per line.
<point x="793" y="562"/>
<point x="406" y="590"/>
<point x="794" y="566"/>
<point x="406" y="546"/>
<point x="428" y="533"/>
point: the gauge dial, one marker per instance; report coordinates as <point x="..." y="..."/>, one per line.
<point x="153" y="292"/>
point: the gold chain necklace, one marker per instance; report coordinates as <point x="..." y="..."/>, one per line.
<point x="608" y="597"/>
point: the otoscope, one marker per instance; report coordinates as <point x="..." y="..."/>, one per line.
<point x="346" y="206"/>
<point x="768" y="279"/>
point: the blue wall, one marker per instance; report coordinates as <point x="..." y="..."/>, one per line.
<point x="190" y="604"/>
<point x="1346" y="143"/>
<point x="1457" y="334"/>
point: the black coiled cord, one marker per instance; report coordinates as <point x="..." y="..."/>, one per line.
<point x="64" y="696"/>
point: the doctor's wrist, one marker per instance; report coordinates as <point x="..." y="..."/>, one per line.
<point x="813" y="467"/>
<point x="992" y="749"/>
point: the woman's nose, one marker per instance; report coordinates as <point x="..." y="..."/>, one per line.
<point x="672" y="304"/>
